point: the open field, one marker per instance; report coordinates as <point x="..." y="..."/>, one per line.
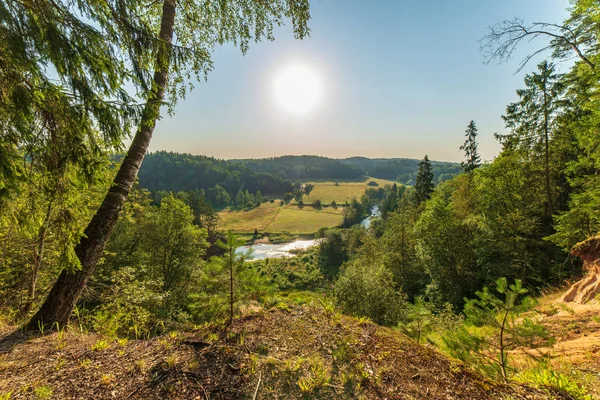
<point x="245" y="221"/>
<point x="306" y="220"/>
<point x="271" y="217"/>
<point x="328" y="191"/>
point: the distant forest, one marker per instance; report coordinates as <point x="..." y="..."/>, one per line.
<point x="273" y="176"/>
<point x="403" y="170"/>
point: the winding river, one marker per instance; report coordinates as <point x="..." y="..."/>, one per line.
<point x="261" y="251"/>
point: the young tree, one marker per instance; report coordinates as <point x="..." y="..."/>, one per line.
<point x="473" y="160"/>
<point x="424" y="183"/>
<point x="199" y="29"/>
<point x="231" y="243"/>
<point x="502" y="328"/>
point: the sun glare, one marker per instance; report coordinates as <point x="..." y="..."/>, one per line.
<point x="297" y="89"/>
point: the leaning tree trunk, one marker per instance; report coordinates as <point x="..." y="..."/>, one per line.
<point x="63" y="296"/>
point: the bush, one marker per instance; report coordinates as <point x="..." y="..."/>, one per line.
<point x="372" y="183"/>
<point x="366" y="290"/>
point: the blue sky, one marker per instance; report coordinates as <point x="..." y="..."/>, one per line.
<point x="400" y="78"/>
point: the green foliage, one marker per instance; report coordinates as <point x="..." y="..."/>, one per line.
<point x="332" y="252"/>
<point x="399" y="250"/>
<point x="424" y="180"/>
<point x="43" y="392"/>
<point x="557" y="382"/>
<point x="354" y="213"/>
<point x="226" y="283"/>
<point x="445" y="242"/>
<point x="131" y="306"/>
<point x="424" y="318"/>
<point x="151" y="267"/>
<point x="402" y="170"/>
<point x="365" y="288"/>
<point x="473" y="160"/>
<point x="494" y="327"/>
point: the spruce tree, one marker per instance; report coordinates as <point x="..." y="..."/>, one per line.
<point x="472" y="160"/>
<point x="424" y="184"/>
<point x="532" y="121"/>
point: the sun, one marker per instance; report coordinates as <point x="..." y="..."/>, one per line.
<point x="297" y="89"/>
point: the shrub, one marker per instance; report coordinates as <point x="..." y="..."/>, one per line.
<point x="367" y="290"/>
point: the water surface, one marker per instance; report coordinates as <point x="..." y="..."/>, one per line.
<point x="262" y="251"/>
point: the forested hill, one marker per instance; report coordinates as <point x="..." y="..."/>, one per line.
<point x="304" y="167"/>
<point x="182" y="172"/>
<point x="403" y="170"/>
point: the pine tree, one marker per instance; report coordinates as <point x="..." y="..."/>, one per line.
<point x="424" y="184"/>
<point x="473" y="160"/>
<point x="505" y="329"/>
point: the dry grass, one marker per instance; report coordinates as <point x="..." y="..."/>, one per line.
<point x="305" y="220"/>
<point x="271" y="217"/>
<point x="345" y="192"/>
<point x="246" y="221"/>
<point x="298" y="353"/>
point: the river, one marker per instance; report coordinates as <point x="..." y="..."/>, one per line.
<point x="261" y="251"/>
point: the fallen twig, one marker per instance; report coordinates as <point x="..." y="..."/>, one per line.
<point x="257" y="385"/>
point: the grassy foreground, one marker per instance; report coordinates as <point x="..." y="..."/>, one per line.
<point x="291" y="352"/>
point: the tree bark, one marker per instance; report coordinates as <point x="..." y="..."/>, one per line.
<point x="65" y="293"/>
<point x="549" y="205"/>
<point x="38" y="256"/>
<point x="230" y="283"/>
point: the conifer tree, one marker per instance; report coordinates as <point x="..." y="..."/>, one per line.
<point x="473" y="160"/>
<point x="532" y="121"/>
<point x="424" y="183"/>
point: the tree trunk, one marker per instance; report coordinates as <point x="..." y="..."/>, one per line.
<point x="549" y="206"/>
<point x="230" y="283"/>
<point x="61" y="300"/>
<point x="38" y="255"/>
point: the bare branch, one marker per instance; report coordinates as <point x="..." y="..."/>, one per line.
<point x="503" y="38"/>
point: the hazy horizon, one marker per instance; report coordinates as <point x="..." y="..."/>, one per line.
<point x="397" y="79"/>
<point x="300" y="155"/>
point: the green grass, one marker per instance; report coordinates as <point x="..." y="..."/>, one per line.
<point x="245" y="221"/>
<point x="290" y="218"/>
<point x="271" y="217"/>
<point x="306" y="220"/>
<point x="344" y="192"/>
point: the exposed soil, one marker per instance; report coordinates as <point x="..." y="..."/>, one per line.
<point x="276" y="354"/>
<point x="576" y="328"/>
<point x="587" y="288"/>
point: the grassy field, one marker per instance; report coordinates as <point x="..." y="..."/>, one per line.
<point x="328" y="191"/>
<point x="306" y="220"/>
<point x="271" y="217"/>
<point x="245" y="221"/>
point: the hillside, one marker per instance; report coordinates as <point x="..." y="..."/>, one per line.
<point x="295" y="353"/>
<point x="403" y="170"/>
